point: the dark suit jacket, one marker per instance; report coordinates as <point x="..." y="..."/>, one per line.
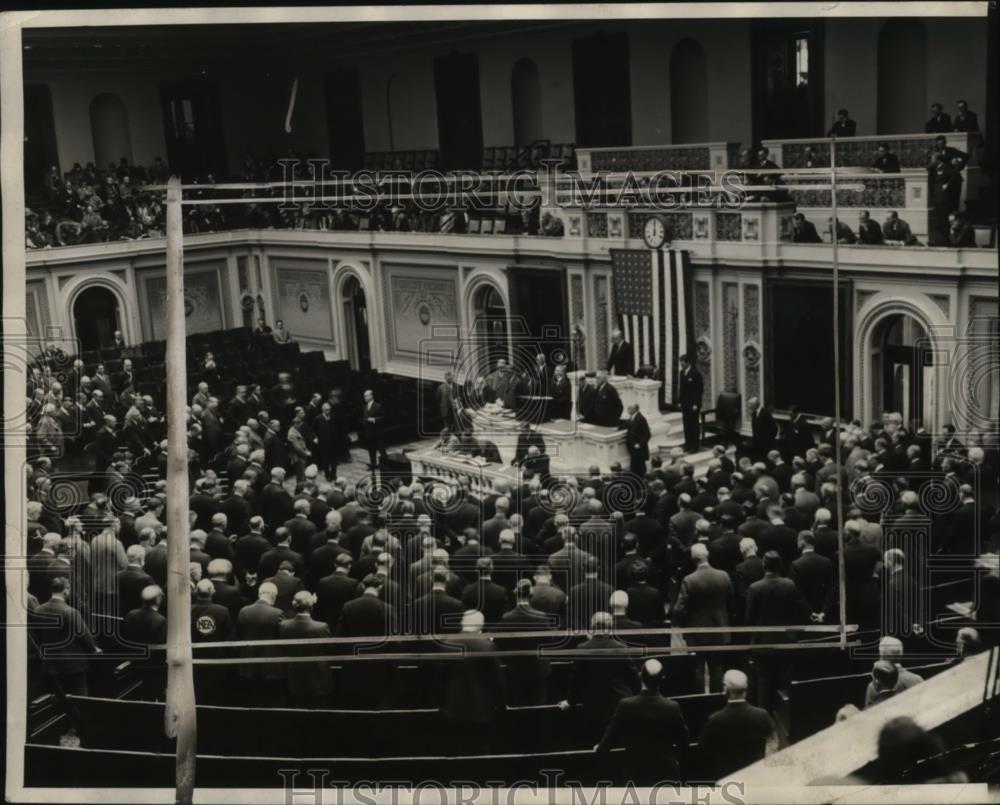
<point x="764" y="429"/>
<point x="270" y="561"/>
<point x="144" y="626"/>
<point x="436" y="612"/>
<point x="806" y="233"/>
<point x="131" y="582"/>
<point x="774" y="601"/>
<point x="607" y="406"/>
<point x="939" y="124"/>
<point x="692" y="387"/>
<point x="306" y="679"/>
<point x="705" y="599"/>
<point x="599" y="683"/>
<point x="651" y="728"/>
<point x="249" y="549"/>
<point x="260" y="621"/>
<point x="814" y="575"/>
<point x="968" y="122"/>
<point x="842" y="128"/>
<point x="621" y="359"/>
<point x="332" y="592"/>
<point x="733" y="738"/>
<point x="887" y="164"/>
<point x="488" y="597"/>
<point x="638" y="433"/>
<point x="366" y="616"/>
<point x="473" y="688"/>
<point x="374" y="431"/>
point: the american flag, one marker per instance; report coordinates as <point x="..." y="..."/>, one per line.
<point x="654" y="308"/>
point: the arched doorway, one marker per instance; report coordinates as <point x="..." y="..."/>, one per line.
<point x="902" y="77"/>
<point x="491" y="327"/>
<point x="109" y="130"/>
<point x="526" y="102"/>
<point x="95" y="313"/>
<point x="688" y="91"/>
<point x="899" y="371"/>
<point x="355" y="309"/>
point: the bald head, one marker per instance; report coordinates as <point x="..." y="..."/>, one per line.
<point x="734" y="683"/>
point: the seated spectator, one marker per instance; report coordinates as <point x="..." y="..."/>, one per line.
<point x="884" y="684"/>
<point x="280" y="334"/>
<point x="842" y="126"/>
<point x="964" y="120"/>
<point x="869" y="232"/>
<point x="844" y="232"/>
<point x="939" y="122"/>
<point x="886" y="161"/>
<point x="960" y="232"/>
<point x="897" y="232"/>
<point x="551" y="226"/>
<point x="810" y="159"/>
<point x="804" y="231"/>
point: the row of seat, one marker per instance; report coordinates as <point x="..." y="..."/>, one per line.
<point x="97" y="768"/>
<point x="279" y="732"/>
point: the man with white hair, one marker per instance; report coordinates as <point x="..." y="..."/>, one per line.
<point x="131" y="581"/>
<point x="621" y="358"/>
<point x="144" y="624"/>
<point x="890" y="649"/>
<point x="310" y="684"/>
<point x="737" y="735"/>
<point x="263" y="682"/>
<point x="301" y="528"/>
<point x="705" y="599"/>
<point x="220" y="573"/>
<point x="473" y="688"/>
<point x="651" y="728"/>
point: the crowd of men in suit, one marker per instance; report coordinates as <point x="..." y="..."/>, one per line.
<point x="284" y="548"/>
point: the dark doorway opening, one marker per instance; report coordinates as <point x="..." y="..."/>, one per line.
<point x="355" y="307"/>
<point x="40" y="151"/>
<point x="787" y="79"/>
<point x="95" y="312"/>
<point x="601" y="91"/>
<point x="898" y="364"/>
<point x="344" y="119"/>
<point x="193" y="128"/>
<point x="538" y="303"/>
<point x="459" y="117"/>
<point x="799" y="346"/>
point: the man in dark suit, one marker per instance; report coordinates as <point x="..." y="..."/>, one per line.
<point x="763" y="428"/>
<point x="637" y="438"/>
<point x="64" y="641"/>
<point x="486" y="595"/>
<point x="374" y="430"/>
<point x="327" y="441"/>
<point x="705" y="599"/>
<point x="131" y="581"/>
<point x="737" y="735"/>
<point x="264" y="682"/>
<point x="692" y="388"/>
<point x="447" y="397"/>
<point x="772" y="601"/>
<point x="961" y="235"/>
<point x="600" y="682"/>
<point x="886" y="161"/>
<point x="804" y="230"/>
<point x="940" y="120"/>
<point x="606" y="407"/>
<point x="309" y="683"/>
<point x="271" y="561"/>
<point x="437" y="612"/>
<point x="869" y="232"/>
<point x="251" y="547"/>
<point x="336" y="589"/>
<point x="621" y="359"/>
<point x="813" y="574"/>
<point x="473" y="693"/>
<point x="651" y="728"/>
<point x="527" y="676"/>
<point x="842" y="126"/>
<point x="144" y="625"/>
<point x="896" y="230"/>
<point x="964" y="120"/>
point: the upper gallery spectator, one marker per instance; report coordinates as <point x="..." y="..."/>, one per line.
<point x="804" y="231"/>
<point x="965" y="120"/>
<point x="886" y="161"/>
<point x="842" y="126"/>
<point x="869" y="232"/>
<point x="896" y="230"/>
<point x="940" y="121"/>
<point x="960" y="231"/>
<point x="954" y="156"/>
<point x="844" y="232"/>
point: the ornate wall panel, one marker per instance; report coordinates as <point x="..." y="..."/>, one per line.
<point x="730" y="336"/>
<point x="204" y="292"/>
<point x="703" y="336"/>
<point x="302" y="299"/>
<point x="420" y="302"/>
